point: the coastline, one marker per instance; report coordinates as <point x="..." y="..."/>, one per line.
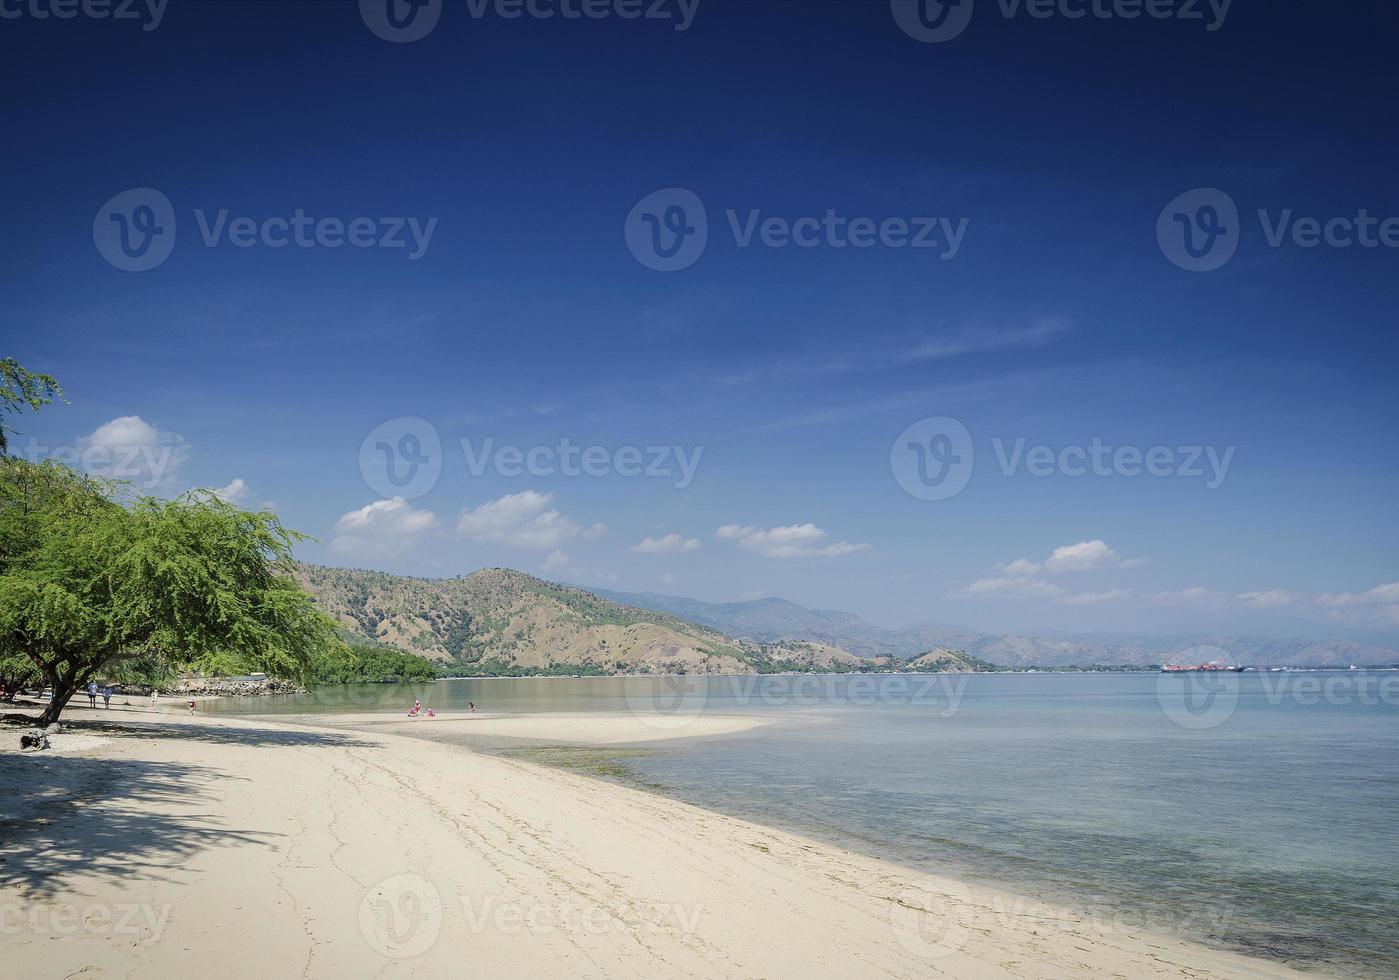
<point x="358" y="851"/>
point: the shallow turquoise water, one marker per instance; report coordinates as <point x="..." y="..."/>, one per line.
<point x="1255" y="811"/>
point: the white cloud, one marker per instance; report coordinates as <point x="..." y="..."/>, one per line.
<point x="1081" y="557"/>
<point x="131" y="449"/>
<point x="666" y="579"/>
<point x="235" y="493"/>
<point x="1024" y="577"/>
<point x="792" y="541"/>
<point x="382" y="529"/>
<point x="1017" y="586"/>
<point x="556" y="562"/>
<point x="1380" y="595"/>
<point x="669" y="544"/>
<point x="525" y="520"/>
<point x="1020" y="568"/>
<point x="1094" y="598"/>
<point x="1269" y="598"/>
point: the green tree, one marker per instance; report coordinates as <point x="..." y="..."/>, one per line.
<point x="16" y="672"/>
<point x="20" y="389"/>
<point x="91" y="582"/>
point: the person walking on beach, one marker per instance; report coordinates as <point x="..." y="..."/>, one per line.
<point x="92" y="694"/>
<point x="472" y="706"/>
<point x="155" y="698"/>
<point x="191" y="707"/>
<point x="107" y="697"/>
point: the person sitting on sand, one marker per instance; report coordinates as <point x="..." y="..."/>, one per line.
<point x="431" y="713"/>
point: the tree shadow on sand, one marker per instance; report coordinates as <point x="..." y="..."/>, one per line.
<point x="119" y="818"/>
<point x="220" y="735"/>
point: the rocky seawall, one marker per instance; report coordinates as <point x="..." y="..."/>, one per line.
<point x="226" y="687"/>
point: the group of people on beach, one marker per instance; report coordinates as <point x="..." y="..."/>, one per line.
<point x="92" y="695"/>
<point x="417" y="710"/>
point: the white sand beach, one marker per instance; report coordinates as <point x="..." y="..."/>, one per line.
<point x="171" y="846"/>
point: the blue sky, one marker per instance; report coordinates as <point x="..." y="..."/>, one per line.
<point x="1054" y="145"/>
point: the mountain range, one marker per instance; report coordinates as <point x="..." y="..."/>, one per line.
<point x="768" y="620"/>
<point x="501" y="620"/>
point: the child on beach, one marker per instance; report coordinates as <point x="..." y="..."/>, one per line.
<point x="191" y="707"/>
<point x="155" y="697"/>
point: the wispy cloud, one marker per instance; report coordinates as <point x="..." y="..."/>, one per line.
<point x="524" y="520"/>
<point x="792" y="541"/>
<point x="933" y="346"/>
<point x="666" y="545"/>
<point x="383" y="529"/>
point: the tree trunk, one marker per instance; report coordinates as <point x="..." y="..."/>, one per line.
<point x="62" y="687"/>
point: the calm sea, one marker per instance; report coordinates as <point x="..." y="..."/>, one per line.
<point x="1257" y="812"/>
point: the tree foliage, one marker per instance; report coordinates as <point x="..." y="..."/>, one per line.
<point x="20" y="389"/>
<point x="91" y="582"/>
<point x="361" y="663"/>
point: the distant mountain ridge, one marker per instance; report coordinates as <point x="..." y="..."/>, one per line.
<point x="500" y="620"/>
<point x="772" y="620"/>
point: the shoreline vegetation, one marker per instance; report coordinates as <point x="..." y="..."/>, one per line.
<point x="198" y="827"/>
